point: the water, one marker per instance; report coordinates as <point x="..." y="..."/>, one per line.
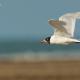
<point x="35" y="50"/>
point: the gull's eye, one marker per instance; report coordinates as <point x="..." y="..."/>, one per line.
<point x="47" y="39"/>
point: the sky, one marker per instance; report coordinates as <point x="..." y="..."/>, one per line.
<point x="29" y="18"/>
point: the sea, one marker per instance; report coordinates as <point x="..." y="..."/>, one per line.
<point x="34" y="51"/>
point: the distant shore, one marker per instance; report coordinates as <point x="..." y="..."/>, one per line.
<point x="40" y="70"/>
<point x="35" y="57"/>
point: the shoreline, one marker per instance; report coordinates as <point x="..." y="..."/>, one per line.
<point x="39" y="57"/>
<point x="22" y="59"/>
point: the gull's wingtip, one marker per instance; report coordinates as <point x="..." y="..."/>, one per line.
<point x="50" y="20"/>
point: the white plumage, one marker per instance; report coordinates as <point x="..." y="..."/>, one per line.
<point x="64" y="29"/>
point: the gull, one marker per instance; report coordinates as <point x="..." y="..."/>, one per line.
<point x="63" y="29"/>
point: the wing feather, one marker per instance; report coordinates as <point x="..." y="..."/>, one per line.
<point x="65" y="25"/>
<point x="58" y="25"/>
<point x="70" y="20"/>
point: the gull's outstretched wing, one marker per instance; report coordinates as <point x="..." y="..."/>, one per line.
<point x="70" y="19"/>
<point x="58" y="25"/>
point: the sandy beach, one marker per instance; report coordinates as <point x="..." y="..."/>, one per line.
<point x="40" y="70"/>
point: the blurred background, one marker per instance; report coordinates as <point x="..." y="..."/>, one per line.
<point x="24" y="23"/>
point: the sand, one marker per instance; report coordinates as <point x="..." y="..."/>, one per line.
<point x="40" y="70"/>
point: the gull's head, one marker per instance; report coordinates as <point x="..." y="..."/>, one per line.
<point x="46" y="40"/>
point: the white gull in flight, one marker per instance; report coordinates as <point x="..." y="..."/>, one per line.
<point x="63" y="29"/>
